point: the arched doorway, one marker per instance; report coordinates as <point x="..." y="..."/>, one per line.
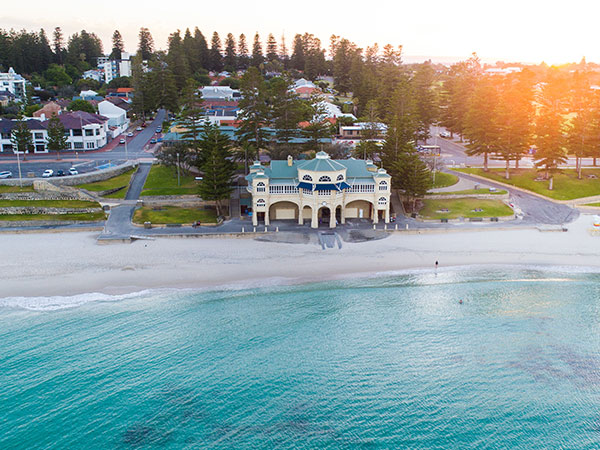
<point x="284" y="211"/>
<point x="359" y="210"/>
<point x="306" y="215"/>
<point x="338" y="215"/>
<point x="324" y="217"/>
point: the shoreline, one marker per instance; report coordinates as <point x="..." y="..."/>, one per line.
<point x="69" y="264"/>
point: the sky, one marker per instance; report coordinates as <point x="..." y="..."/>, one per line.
<point x="527" y="31"/>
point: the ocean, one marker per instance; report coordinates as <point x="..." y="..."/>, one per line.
<point x="389" y="362"/>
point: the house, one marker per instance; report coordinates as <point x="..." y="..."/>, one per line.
<point x="219" y="93"/>
<point x="94" y="74"/>
<point x="322" y="191"/>
<point x="85" y="131"/>
<point x="118" y="122"/>
<point x="330" y="111"/>
<point x="124" y="93"/>
<point x="38" y="133"/>
<point x="356" y="131"/>
<point x="305" y="89"/>
<point x="49" y="110"/>
<point x="121" y="103"/>
<point x="6" y="97"/>
<point x="13" y="83"/>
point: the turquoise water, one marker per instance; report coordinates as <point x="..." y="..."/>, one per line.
<point x="388" y="362"/>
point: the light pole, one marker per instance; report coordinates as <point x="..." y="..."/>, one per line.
<point x="19" y="166"/>
<point x="178" y="169"/>
<point x="126" y="157"/>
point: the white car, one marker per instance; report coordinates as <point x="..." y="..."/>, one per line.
<point x="138" y="129"/>
<point x="73" y="171"/>
<point x="122" y="141"/>
<point x="48" y="173"/>
<point x="6" y="174"/>
<point x="130" y="134"/>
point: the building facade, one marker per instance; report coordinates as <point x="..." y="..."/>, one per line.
<point x="321" y="191"/>
<point x="13" y="83"/>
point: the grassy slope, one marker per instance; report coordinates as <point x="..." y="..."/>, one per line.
<point x="10" y="189"/>
<point x="173" y="214"/>
<point x="111" y="183"/>
<point x="51" y="203"/>
<point x="566" y="184"/>
<point x="463" y="207"/>
<point x="443" y="179"/>
<point x="91" y="217"/>
<point x="163" y="181"/>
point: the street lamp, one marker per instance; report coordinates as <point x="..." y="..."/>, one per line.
<point x="126" y="157"/>
<point x="178" y="184"/>
<point x="19" y="165"/>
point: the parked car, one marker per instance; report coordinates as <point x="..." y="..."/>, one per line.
<point x="445" y="135"/>
<point x="153" y="141"/>
<point x="138" y="129"/>
<point x="121" y="141"/>
<point x="158" y="130"/>
<point x="73" y="171"/>
<point x="60" y="173"/>
<point x="6" y="174"/>
<point x="130" y="134"/>
<point x="48" y="173"/>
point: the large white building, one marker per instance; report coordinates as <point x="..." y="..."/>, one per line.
<point x="118" y="122"/>
<point x="323" y="191"/>
<point x="13" y="83"/>
<point x="114" y="68"/>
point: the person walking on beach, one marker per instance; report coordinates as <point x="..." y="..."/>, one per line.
<point x="436" y="264"/>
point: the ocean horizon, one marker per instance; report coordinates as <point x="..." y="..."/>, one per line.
<point x="389" y="361"/>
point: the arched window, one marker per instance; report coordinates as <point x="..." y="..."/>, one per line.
<point x="260" y="187"/>
<point x="340" y="177"/>
<point x="306" y="178"/>
<point x="324" y="178"/>
<point x="383" y="185"/>
<point x="382" y="201"/>
<point x="260" y="202"/>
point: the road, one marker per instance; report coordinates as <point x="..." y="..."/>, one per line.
<point x="137" y="147"/>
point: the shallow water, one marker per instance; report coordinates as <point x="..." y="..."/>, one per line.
<point x="387" y="362"/>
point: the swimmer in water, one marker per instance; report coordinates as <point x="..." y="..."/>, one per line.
<point x="460" y="301"/>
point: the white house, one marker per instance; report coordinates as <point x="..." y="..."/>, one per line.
<point x="13" y="83"/>
<point x="94" y="74"/>
<point x="38" y="133"/>
<point x="118" y="122"/>
<point x="85" y="131"/>
<point x="219" y="93"/>
<point x="330" y="111"/>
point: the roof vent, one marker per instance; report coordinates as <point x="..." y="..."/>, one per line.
<point x="322" y="155"/>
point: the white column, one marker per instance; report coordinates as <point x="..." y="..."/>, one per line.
<point x="343" y="213"/>
<point x="300" y="215"/>
<point x="267" y="210"/>
<point x="254" y="217"/>
<point x="387" y="213"/>
<point x="332" y="217"/>
<point x="315" y="218"/>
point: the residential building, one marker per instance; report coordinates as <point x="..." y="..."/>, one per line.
<point x="85" y="131"/>
<point x="38" y="133"/>
<point x="13" y="83"/>
<point x="114" y="68"/>
<point x="118" y="122"/>
<point x="6" y="97"/>
<point x="323" y="191"/>
<point x="94" y="74"/>
<point x="219" y="93"/>
<point x="49" y="110"/>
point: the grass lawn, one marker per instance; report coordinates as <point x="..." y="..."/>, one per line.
<point x="10" y="189"/>
<point x="592" y="204"/>
<point x="111" y="183"/>
<point x="566" y="184"/>
<point x="469" y="192"/>
<point x="95" y="217"/>
<point x="163" y="181"/>
<point x="443" y="179"/>
<point x="51" y="203"/>
<point x="174" y="214"/>
<point x="464" y="207"/>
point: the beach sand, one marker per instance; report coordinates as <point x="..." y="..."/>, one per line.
<point x="61" y="264"/>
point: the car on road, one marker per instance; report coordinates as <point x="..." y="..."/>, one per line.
<point x="153" y="141"/>
<point x="130" y="134"/>
<point x="73" y="171"/>
<point x="158" y="130"/>
<point x="60" y="173"/>
<point x="122" y="141"/>
<point x="6" y="174"/>
<point x="138" y="129"/>
<point x="445" y="135"/>
<point x="48" y="173"/>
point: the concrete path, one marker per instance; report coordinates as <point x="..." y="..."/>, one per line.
<point x="462" y="185"/>
<point x="138" y="181"/>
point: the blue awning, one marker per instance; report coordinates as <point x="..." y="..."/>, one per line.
<point x="307" y="186"/>
<point x="323" y="186"/>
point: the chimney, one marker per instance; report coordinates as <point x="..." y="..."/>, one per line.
<point x="290" y="160"/>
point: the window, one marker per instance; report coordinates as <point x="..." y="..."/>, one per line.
<point x="90" y="145"/>
<point x="260" y="202"/>
<point x="340" y="177"/>
<point x="382" y="201"/>
<point x="283" y="189"/>
<point x="306" y="178"/>
<point x="76" y="132"/>
<point x="383" y="185"/>
<point x="5" y="135"/>
<point x="77" y="145"/>
<point x="40" y="148"/>
<point x="324" y="179"/>
<point x="324" y="192"/>
<point x="361" y="188"/>
<point x="7" y="148"/>
<point x="307" y="192"/>
<point x="260" y="187"/>
<point x="97" y="131"/>
<point x="38" y="136"/>
<point x="89" y="132"/>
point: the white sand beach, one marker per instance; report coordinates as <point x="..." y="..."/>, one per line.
<point x="50" y="264"/>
